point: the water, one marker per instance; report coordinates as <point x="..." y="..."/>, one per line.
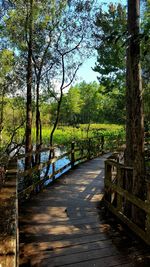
<point x="44" y="158"/>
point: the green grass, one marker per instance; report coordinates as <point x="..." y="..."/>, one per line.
<point x="65" y="134"/>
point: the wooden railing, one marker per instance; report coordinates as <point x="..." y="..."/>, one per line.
<point x="76" y="152"/>
<point x="116" y="196"/>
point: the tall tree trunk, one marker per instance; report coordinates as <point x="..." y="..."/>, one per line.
<point x="1" y="113"/>
<point x="38" y="122"/>
<point x="135" y="123"/>
<point x="28" y="145"/>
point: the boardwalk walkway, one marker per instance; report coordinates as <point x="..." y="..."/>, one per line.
<point x="63" y="226"/>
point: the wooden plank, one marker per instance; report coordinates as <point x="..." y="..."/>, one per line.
<point x="75" y="258"/>
<point x="120" y="185"/>
<point x="117" y="164"/>
<point x="34" y="246"/>
<point x="62" y="227"/>
<point x="64" y="155"/>
<point x="21" y="156"/>
<point x="51" y="252"/>
<point x="108" y="178"/>
<point x="88" y="262"/>
<point x="81" y="159"/>
<point x="77" y="248"/>
<point x="63" y="168"/>
<point x="69" y="239"/>
<point x="37" y="167"/>
<point x="80" y="222"/>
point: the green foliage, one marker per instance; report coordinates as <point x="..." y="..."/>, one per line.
<point x="14" y="114"/>
<point x="110" y="38"/>
<point x="6" y="62"/>
<point x="111" y="44"/>
<point x="87" y="103"/>
<point x="57" y="27"/>
<point x="65" y="134"/>
<point x="44" y="16"/>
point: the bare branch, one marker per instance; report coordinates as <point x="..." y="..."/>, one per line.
<point x="72" y="77"/>
<point x="63" y="73"/>
<point x="35" y="65"/>
<point x="72" y="49"/>
<point x="52" y="93"/>
<point x="46" y="71"/>
<point x="13" y="134"/>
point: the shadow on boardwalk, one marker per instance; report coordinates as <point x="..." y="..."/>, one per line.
<point x="67" y="225"/>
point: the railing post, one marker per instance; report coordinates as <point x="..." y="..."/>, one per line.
<point x="72" y="154"/>
<point x="102" y="144"/>
<point x="128" y="185"/>
<point x="89" y="148"/>
<point x="82" y="150"/>
<point x="120" y="185"/>
<point x="148" y="214"/>
<point x="108" y="177"/>
<point x="53" y="164"/>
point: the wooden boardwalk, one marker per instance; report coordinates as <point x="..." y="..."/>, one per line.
<point x="64" y="225"/>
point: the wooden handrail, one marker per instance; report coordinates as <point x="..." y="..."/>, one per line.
<point x="114" y="190"/>
<point x="74" y="160"/>
<point x="34" y="152"/>
<point x="79" y="152"/>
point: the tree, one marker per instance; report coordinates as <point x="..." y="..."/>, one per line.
<point x="70" y="40"/>
<point x="71" y="106"/>
<point x="29" y="33"/>
<point x="146" y="62"/>
<point x="110" y="35"/>
<point x="111" y="41"/>
<point x="134" y="155"/>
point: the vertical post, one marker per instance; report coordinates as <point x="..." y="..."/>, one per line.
<point x="98" y="147"/>
<point x="148" y="214"/>
<point x="102" y="144"/>
<point x="81" y="150"/>
<point x="128" y="185"/>
<point x="108" y="176"/>
<point x="120" y="185"/>
<point x="72" y="155"/>
<point x="53" y="164"/>
<point x="89" y="148"/>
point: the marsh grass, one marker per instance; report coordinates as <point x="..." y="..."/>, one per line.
<point x="65" y="134"/>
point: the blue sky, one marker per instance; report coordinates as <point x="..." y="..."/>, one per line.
<point x="85" y="72"/>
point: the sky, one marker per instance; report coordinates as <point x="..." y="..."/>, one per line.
<point x="85" y="72"/>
